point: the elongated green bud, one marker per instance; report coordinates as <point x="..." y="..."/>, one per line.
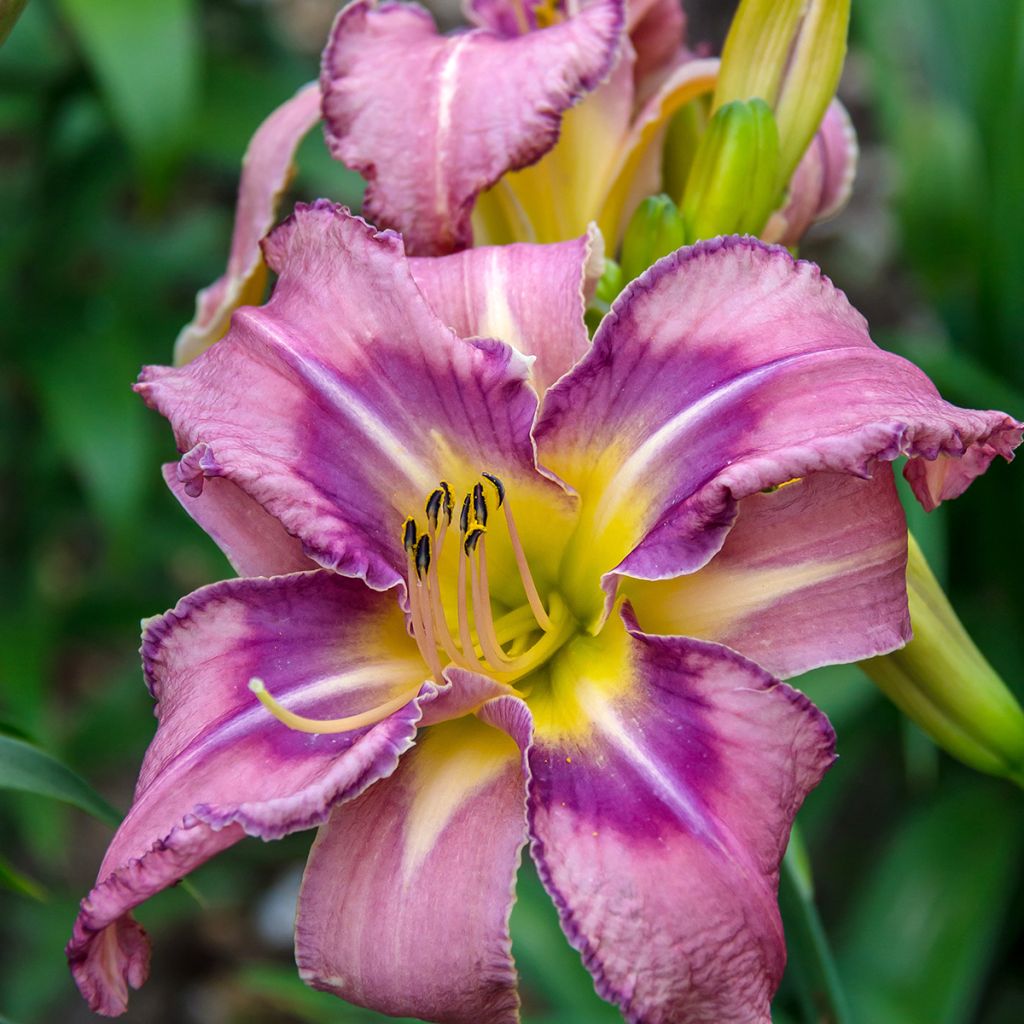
<point x="733" y="185"/>
<point x="789" y="53"/>
<point x="943" y="682"/>
<point x="655" y="230"/>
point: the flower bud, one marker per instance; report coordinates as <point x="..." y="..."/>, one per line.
<point x="790" y="54"/>
<point x="733" y="183"/>
<point x="943" y="682"/>
<point x="655" y="229"/>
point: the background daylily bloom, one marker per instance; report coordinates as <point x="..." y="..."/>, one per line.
<point x="434" y="542"/>
<point x="448" y="127"/>
<point x="595" y="119"/>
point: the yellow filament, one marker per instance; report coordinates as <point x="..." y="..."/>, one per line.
<point x="329" y="725"/>
<point x="524" y="570"/>
<point x="482" y="610"/>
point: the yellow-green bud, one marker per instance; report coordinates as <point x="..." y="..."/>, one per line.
<point x="943" y="682"/>
<point x="655" y="230"/>
<point x="733" y="184"/>
<point x="789" y="53"/>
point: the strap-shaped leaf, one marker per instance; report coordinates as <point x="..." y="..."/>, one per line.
<point x="31" y="770"/>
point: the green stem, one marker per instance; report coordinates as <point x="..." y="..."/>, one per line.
<point x="810" y="958"/>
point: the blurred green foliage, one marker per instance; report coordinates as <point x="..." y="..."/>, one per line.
<point x="122" y="125"/>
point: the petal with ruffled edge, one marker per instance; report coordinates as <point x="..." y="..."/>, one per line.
<point x="822" y="181"/>
<point x="558" y="196"/>
<point x="340" y="404"/>
<point x="664" y="777"/>
<point x="532" y="297"/>
<point x="431" y="121"/>
<point x="266" y="169"/>
<point x="406" y="898"/>
<point x="253" y="541"/>
<point x="725" y="369"/>
<point x="829" y="549"/>
<point x="221" y="765"/>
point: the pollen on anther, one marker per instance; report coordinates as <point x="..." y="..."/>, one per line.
<point x="498" y="486"/>
<point x="423" y="556"/>
<point x="464" y="514"/>
<point x="473" y="538"/>
<point x="409" y="535"/>
<point x="479" y="505"/>
<point x="433" y="506"/>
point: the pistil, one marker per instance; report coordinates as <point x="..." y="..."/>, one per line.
<point x="329" y="725"/>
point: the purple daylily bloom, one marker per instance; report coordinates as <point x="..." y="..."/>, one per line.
<point x="546" y="564"/>
<point x="542" y="118"/>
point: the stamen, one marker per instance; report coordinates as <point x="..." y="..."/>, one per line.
<point x="446" y="503"/>
<point x="328" y="725"/>
<point x="433" y="508"/>
<point x="409" y="535"/>
<point x="482" y="609"/>
<point x="532" y="596"/>
<point x="473" y="538"/>
<point x="422" y="556"/>
<point x="422" y="619"/>
<point x="498" y="486"/>
<point x="479" y="505"/>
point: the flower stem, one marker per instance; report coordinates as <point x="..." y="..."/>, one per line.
<point x="810" y="958"/>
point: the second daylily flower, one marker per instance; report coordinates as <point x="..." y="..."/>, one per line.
<point x="543" y="588"/>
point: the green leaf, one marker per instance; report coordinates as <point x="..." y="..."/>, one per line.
<point x="282" y="989"/>
<point x="145" y="56"/>
<point x="12" y="878"/>
<point x="809" y="957"/>
<point x="31" y="770"/>
<point x="922" y="931"/>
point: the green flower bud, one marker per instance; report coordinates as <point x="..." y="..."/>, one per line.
<point x="943" y="682"/>
<point x="789" y="53"/>
<point x="655" y="229"/>
<point x="733" y="185"/>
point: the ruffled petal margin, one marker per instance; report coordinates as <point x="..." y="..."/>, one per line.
<point x="664" y="780"/>
<point x="253" y="541"/>
<point x="407" y="894"/>
<point x="340" y="404"/>
<point x="221" y="766"/>
<point x="266" y="169"/>
<point x="726" y="369"/>
<point x="450" y="115"/>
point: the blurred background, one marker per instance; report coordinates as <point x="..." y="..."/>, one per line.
<point x="122" y="126"/>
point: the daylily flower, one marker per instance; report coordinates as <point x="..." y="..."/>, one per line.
<point x="545" y="562"/>
<point x="470" y="137"/>
<point x="627" y="69"/>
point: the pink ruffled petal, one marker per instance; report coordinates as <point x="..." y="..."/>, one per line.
<point x="406" y="898"/>
<point x="221" y="765"/>
<point x="340" y="404"/>
<point x="725" y="369"/>
<point x="265" y="172"/>
<point x="659" y="827"/>
<point x="431" y="121"/>
<point x="255" y="543"/>
<point x="532" y="297"/>
<point x="794" y="560"/>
